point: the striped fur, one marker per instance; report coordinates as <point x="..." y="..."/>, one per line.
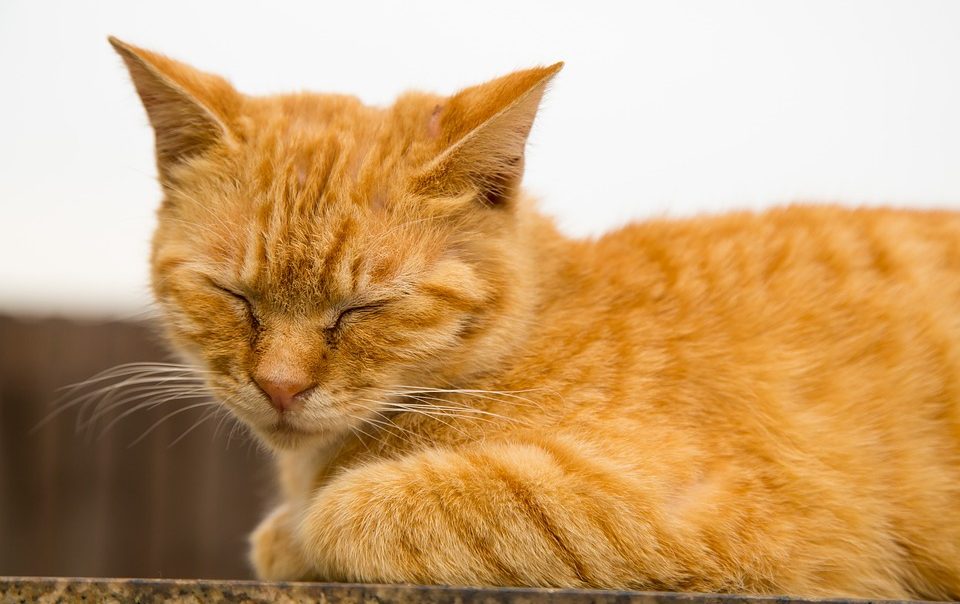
<point x="752" y="403"/>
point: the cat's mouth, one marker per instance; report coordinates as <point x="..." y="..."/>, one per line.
<point x="294" y="429"/>
<point x="284" y="435"/>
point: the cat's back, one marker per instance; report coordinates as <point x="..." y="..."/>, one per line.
<point x="795" y="276"/>
<point x="802" y="244"/>
<point x="855" y="310"/>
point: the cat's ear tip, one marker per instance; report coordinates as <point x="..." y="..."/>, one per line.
<point x="129" y="50"/>
<point x="549" y="71"/>
<point x="117" y="43"/>
<point x="123" y="48"/>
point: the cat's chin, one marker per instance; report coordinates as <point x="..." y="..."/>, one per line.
<point x="285" y="437"/>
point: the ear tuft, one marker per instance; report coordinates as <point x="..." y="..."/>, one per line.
<point x="190" y="111"/>
<point x="482" y="132"/>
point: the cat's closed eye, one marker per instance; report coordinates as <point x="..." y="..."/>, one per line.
<point x="353" y="312"/>
<point x="240" y="299"/>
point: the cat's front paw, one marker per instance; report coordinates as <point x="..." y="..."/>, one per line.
<point x="275" y="552"/>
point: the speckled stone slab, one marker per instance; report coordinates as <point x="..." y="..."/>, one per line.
<point x="23" y="590"/>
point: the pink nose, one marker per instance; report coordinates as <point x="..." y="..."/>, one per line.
<point x="284" y="395"/>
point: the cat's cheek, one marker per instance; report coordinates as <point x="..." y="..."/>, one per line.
<point x="275" y="552"/>
<point x="221" y="345"/>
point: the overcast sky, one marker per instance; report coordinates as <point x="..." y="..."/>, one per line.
<point x="664" y="108"/>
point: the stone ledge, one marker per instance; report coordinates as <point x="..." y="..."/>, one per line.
<point x="16" y="590"/>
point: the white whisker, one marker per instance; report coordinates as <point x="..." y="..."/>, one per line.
<point x="422" y="411"/>
<point x="131" y="379"/>
<point x="449" y="406"/>
<point x="386" y="421"/>
<point x="174" y="392"/>
<point x="157" y="423"/>
<point x="210" y="413"/>
<point x="150" y="404"/>
<point x="494" y="395"/>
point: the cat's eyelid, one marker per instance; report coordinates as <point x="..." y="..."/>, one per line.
<point x="346" y="310"/>
<point x="364" y="301"/>
<point x="229" y="290"/>
<point x="371" y="305"/>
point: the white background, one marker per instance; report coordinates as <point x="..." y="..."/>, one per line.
<point x="663" y="108"/>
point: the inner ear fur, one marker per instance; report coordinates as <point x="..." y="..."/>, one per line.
<point x="482" y="134"/>
<point x="190" y="110"/>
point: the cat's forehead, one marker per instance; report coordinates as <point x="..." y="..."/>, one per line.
<point x="293" y="118"/>
<point x="324" y="256"/>
<point x="338" y="124"/>
<point x="331" y="148"/>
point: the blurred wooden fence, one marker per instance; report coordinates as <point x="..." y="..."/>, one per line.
<point x="73" y="504"/>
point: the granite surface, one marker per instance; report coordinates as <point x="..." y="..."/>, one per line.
<point x="23" y="590"/>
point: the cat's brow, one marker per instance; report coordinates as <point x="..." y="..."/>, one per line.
<point x="337" y="251"/>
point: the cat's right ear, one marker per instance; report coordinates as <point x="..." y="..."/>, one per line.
<point x="190" y="110"/>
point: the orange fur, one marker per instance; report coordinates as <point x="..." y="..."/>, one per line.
<point x="758" y="403"/>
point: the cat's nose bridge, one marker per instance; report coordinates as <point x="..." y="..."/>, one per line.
<point x="286" y="384"/>
<point x="282" y="369"/>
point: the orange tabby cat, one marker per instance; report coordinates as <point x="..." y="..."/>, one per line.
<point x="457" y="393"/>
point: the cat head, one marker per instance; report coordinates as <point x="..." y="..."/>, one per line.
<point x="315" y="256"/>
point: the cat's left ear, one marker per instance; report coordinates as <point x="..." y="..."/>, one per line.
<point x="190" y="111"/>
<point x="480" y="135"/>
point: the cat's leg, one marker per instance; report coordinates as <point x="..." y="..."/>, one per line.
<point x="494" y="514"/>
<point x="554" y="511"/>
<point x="275" y="553"/>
